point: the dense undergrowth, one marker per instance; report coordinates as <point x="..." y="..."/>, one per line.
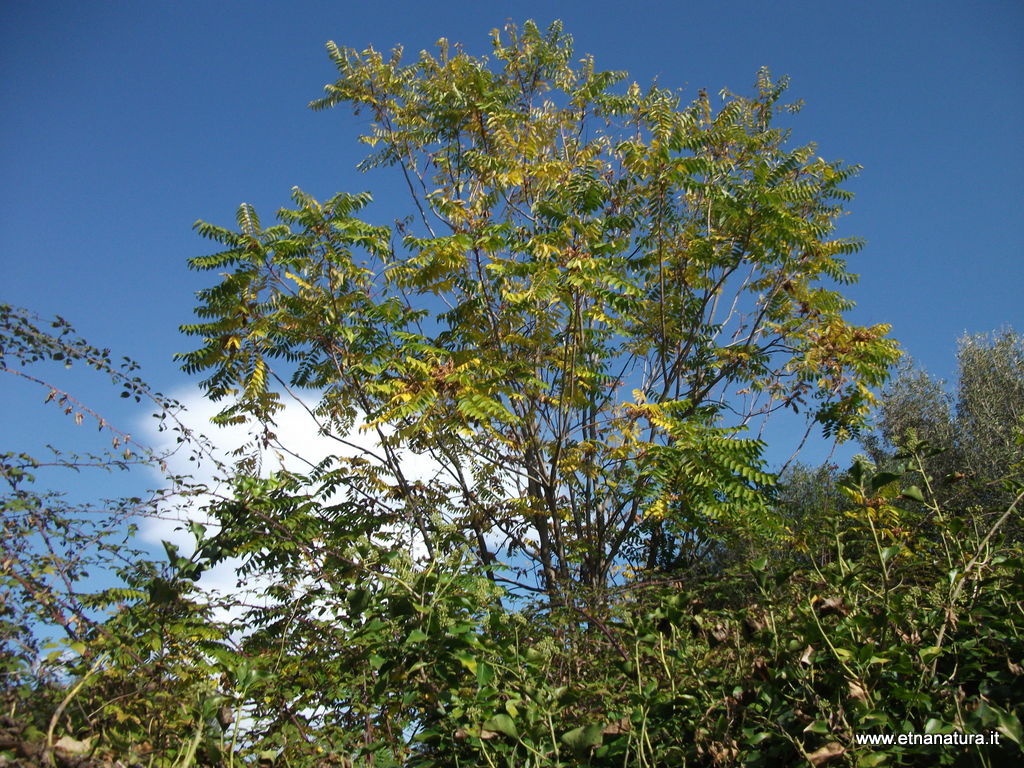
<point x="896" y="616"/>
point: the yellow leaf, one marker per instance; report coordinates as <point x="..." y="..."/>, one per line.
<point x="299" y="280"/>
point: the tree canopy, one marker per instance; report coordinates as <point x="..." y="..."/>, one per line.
<point x="597" y="290"/>
<point x="975" y="433"/>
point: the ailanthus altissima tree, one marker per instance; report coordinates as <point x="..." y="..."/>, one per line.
<point x="598" y="289"/>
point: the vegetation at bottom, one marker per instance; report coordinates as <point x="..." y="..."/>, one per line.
<point x="545" y="537"/>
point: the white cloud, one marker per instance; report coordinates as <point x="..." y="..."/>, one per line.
<point x="297" y="447"/>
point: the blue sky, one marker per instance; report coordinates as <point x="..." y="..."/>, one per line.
<point x="124" y="122"/>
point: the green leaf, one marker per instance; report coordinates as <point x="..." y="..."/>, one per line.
<point x="1009" y="726"/>
<point x="914" y="493"/>
<point x="484" y="676"/>
<point x="818" y="726"/>
<point x="581" y="740"/>
<point x="872" y="759"/>
<point x="467" y="660"/>
<point x="502" y="724"/>
<point x="882" y="479"/>
<point x="416" y="636"/>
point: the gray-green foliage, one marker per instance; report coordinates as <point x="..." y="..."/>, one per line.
<point x="979" y="432"/>
<point x="990" y="404"/>
<point x="915" y="401"/>
<point x="806" y="495"/>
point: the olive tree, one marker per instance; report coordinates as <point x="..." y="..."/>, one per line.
<point x="976" y="430"/>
